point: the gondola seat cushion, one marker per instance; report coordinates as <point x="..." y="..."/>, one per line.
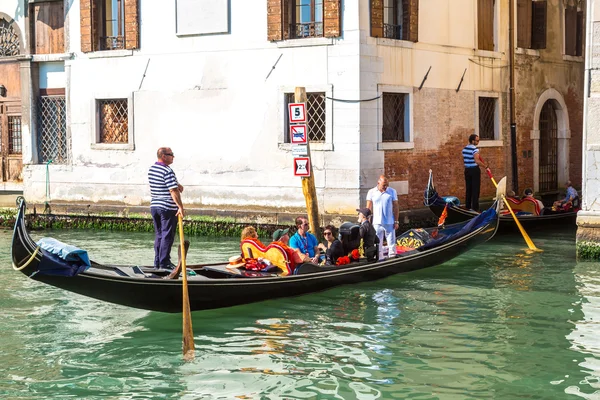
<point x="526" y="204"/>
<point x="276" y="254"/>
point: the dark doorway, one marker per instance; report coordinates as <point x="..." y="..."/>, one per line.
<point x="548" y="148"/>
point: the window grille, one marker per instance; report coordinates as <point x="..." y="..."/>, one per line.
<point x="394" y="111"/>
<point x="14" y="135"/>
<point x="52" y="130"/>
<point x="113" y="115"/>
<point x="315" y="115"/>
<point x="548" y="178"/>
<point x="487" y="118"/>
<point x="9" y="40"/>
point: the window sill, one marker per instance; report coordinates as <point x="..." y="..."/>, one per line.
<point x="313" y="147"/>
<point x="107" y="146"/>
<point x="51" y="57"/>
<point x="573" y="58"/>
<point x="308" y="42"/>
<point x="527" y="52"/>
<point x="110" y="53"/>
<point x="395" y="145"/>
<point x="488" y="54"/>
<point x="490" y="143"/>
<point x="395" y="43"/>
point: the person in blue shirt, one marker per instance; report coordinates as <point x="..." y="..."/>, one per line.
<point x="472" y="161"/>
<point x="571" y="198"/>
<point x="305" y="241"/>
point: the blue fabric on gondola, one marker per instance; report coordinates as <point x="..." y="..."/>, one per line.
<point x="65" y="251"/>
<point x="52" y="264"/>
<point x="482" y="219"/>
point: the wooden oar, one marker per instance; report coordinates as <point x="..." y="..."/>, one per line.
<point x="188" y="334"/>
<point x="525" y="235"/>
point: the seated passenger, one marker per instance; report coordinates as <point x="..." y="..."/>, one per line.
<point x="282" y="238"/>
<point x="332" y="247"/>
<point x="528" y="194"/>
<point x="305" y="241"/>
<point x="569" y="200"/>
<point x="249" y="232"/>
<point x="367" y="234"/>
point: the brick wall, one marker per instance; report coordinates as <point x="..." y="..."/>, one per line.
<point x="443" y="121"/>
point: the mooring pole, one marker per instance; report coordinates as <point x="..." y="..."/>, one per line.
<point x="308" y="183"/>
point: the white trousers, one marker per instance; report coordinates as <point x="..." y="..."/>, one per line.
<point x="390" y="236"/>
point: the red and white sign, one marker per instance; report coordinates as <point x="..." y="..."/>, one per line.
<point x="302" y="166"/>
<point x="297" y="112"/>
<point x="298" y="134"/>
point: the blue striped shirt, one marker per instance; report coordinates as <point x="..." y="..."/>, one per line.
<point x="162" y="179"/>
<point x="468" y="154"/>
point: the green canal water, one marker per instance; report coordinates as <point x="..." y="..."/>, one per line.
<point x="496" y="323"/>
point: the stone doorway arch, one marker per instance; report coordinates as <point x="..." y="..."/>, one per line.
<point x="563" y="136"/>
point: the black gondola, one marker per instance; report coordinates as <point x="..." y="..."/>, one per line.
<point x="214" y="286"/>
<point x="530" y="222"/>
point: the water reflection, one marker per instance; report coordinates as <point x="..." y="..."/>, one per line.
<point x="499" y="322"/>
<point x="584" y="336"/>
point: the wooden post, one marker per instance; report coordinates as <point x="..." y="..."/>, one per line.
<point x="308" y="183"/>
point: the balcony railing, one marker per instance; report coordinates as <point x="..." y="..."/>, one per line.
<point x="112" y="42"/>
<point x="306" y="30"/>
<point x="392" y="31"/>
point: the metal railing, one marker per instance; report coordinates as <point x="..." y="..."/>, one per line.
<point x="392" y="31"/>
<point x="112" y="42"/>
<point x="306" y="30"/>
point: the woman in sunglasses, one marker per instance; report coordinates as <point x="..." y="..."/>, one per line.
<point x="332" y="246"/>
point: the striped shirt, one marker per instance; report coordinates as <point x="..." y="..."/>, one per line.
<point x="162" y="179"/>
<point x="468" y="154"/>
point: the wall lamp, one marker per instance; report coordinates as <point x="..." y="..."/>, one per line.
<point x="2" y="91"/>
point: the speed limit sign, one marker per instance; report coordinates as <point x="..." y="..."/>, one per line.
<point x="297" y="112"/>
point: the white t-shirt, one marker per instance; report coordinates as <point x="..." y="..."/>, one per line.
<point x="383" y="205"/>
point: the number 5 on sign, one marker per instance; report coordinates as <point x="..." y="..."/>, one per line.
<point x="297" y="112"/>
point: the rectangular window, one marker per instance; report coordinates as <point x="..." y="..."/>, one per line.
<point x="538" y="24"/>
<point x="112" y="24"/>
<point x="487" y="118"/>
<point x="307" y="18"/>
<point x="52" y="130"/>
<point x="14" y="134"/>
<point x="573" y="31"/>
<point x="485" y="24"/>
<point x="113" y="117"/>
<point x="315" y="115"/>
<point x="392" y="19"/>
<point x="395" y="118"/>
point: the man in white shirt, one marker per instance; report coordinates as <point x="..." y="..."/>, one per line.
<point x="382" y="200"/>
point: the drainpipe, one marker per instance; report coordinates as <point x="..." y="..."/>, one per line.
<point x="586" y="95"/>
<point x="511" y="92"/>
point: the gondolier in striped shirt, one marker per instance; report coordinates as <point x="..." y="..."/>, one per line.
<point x="472" y="162"/>
<point x="165" y="206"/>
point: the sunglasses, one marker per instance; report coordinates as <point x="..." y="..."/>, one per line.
<point x="169" y="154"/>
<point x="326" y="233"/>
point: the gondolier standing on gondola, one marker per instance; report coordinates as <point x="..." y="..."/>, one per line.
<point x="472" y="162"/>
<point x="165" y="206"/>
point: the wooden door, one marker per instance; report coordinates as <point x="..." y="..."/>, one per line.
<point x="11" y="159"/>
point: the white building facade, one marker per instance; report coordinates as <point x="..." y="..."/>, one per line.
<point x="394" y="87"/>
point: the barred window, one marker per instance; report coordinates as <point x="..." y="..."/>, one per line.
<point x="487" y="118"/>
<point x="395" y="118"/>
<point x="315" y="115"/>
<point x="14" y="134"/>
<point x="113" y="118"/>
<point x="52" y="130"/>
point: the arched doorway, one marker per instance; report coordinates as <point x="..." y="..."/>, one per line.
<point x="548" y="165"/>
<point x="551" y="139"/>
